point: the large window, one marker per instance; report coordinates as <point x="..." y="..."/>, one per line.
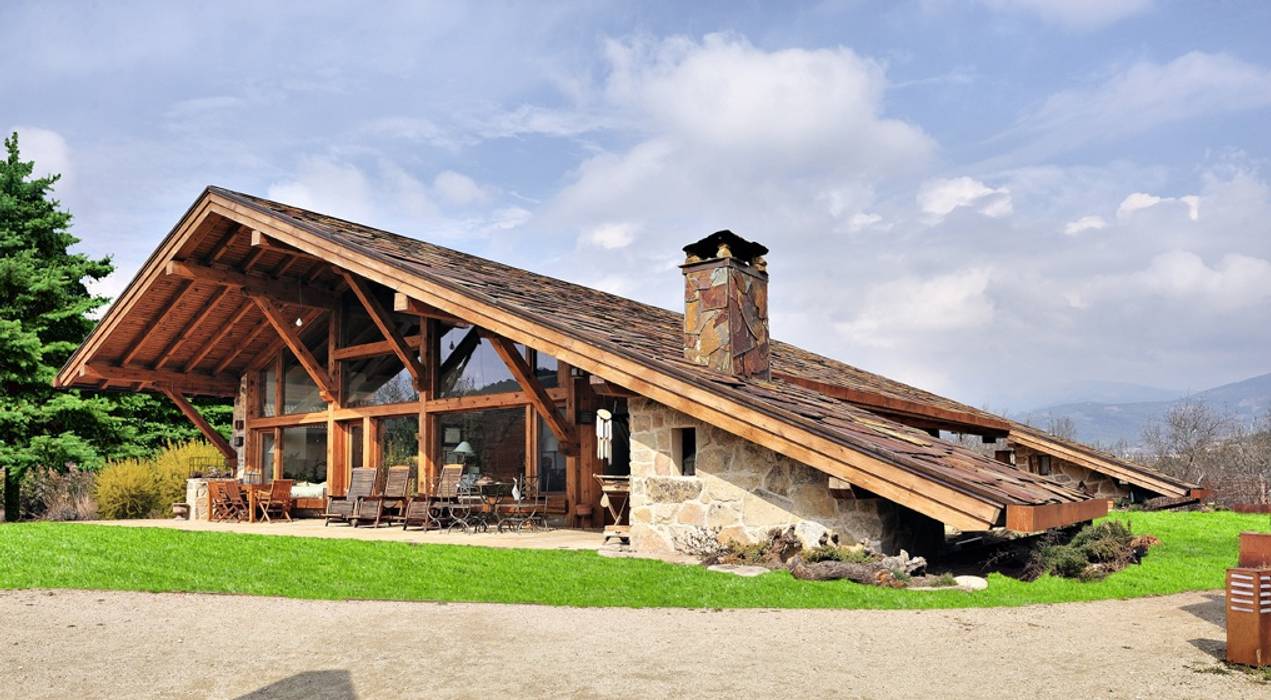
<point x="299" y="393"/>
<point x="304" y="454"/>
<point x="496" y="436"/>
<point x="551" y="461"/>
<point x="545" y="369"/>
<point x="378" y="380"/>
<point x="470" y="366"/>
<point x="269" y="390"/>
<point x="399" y="440"/>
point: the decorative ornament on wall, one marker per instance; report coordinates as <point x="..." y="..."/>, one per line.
<point x="604" y="435"/>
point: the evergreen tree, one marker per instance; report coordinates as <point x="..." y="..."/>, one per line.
<point x="44" y="314"/>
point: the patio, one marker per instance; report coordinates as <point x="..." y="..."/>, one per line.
<point x="535" y="539"/>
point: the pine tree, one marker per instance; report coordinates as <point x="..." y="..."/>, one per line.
<point x="44" y="314"/>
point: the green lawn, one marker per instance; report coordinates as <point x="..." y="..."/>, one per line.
<point x="1196" y="549"/>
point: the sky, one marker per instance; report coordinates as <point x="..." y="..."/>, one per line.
<point x="998" y="200"/>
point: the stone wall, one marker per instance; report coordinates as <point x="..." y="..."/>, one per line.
<point x="1072" y="475"/>
<point x="238" y="436"/>
<point x="745" y="490"/>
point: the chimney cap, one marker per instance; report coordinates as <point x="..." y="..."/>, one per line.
<point x="708" y="248"/>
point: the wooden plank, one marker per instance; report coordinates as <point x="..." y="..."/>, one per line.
<point x="407" y="305"/>
<point x="295" y="293"/>
<point x="213" y="385"/>
<point x="263" y="242"/>
<point x="385" y="324"/>
<point x="1107" y="467"/>
<point x="291" y="339"/>
<point x="1039" y="518"/>
<point x="200" y="422"/>
<point x="379" y="347"/>
<point x="182" y="337"/>
<point x="607" y="388"/>
<point x="183" y="288"/>
<point x="870" y="399"/>
<point x="524" y="376"/>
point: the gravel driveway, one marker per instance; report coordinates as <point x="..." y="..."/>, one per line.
<point x="101" y="644"/>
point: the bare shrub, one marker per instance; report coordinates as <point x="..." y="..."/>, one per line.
<point x="55" y="495"/>
<point x="1197" y="443"/>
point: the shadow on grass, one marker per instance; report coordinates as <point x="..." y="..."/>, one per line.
<point x="310" y="685"/>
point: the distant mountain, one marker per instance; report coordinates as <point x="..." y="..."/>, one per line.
<point x="1108" y="422"/>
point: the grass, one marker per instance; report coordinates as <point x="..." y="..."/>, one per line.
<point x="1195" y="550"/>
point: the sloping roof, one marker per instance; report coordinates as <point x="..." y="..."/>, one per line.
<point x="631" y="344"/>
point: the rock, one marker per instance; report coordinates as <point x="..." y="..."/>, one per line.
<point x="671" y="489"/>
<point x="738" y="569"/>
<point x="971" y="583"/>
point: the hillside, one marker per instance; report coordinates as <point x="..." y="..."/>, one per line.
<point x="1110" y="422"/>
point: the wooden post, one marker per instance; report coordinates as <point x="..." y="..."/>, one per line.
<point x="429" y="349"/>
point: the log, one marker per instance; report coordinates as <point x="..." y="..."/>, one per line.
<point x="873" y="574"/>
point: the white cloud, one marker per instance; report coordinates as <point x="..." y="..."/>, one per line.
<point x="50" y="152"/>
<point x="459" y="189"/>
<point x="1085" y="223"/>
<point x="900" y="309"/>
<point x="1140" y="201"/>
<point x="938" y="198"/>
<point x="1235" y="282"/>
<point x="612" y="236"/>
<point x="1144" y="96"/>
<point x="329" y="187"/>
<point x="1075" y="14"/>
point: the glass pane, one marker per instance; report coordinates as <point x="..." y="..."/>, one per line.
<point x="268" y="391"/>
<point x="267" y="454"/>
<point x="375" y="381"/>
<point x="545" y="370"/>
<point x="304" y="456"/>
<point x="299" y="393"/>
<point x="399" y="442"/>
<point x="551" y="461"/>
<point x="470" y="366"/>
<point x="497" y="438"/>
<point x="358" y="328"/>
<point x="354" y="445"/>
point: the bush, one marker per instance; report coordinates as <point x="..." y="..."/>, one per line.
<point x="829" y="552"/>
<point x="47" y="493"/>
<point x="1094" y="552"/>
<point x="127" y="489"/>
<point x="147" y="488"/>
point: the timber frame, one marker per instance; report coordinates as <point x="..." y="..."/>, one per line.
<point x="192" y="307"/>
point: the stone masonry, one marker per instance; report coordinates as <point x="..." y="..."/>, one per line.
<point x="1073" y="476"/>
<point x="744" y="490"/>
<point x="726" y="306"/>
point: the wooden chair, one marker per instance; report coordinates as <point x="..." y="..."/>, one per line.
<point x="396" y="490"/>
<point x="224" y="505"/>
<point x="277" y="500"/>
<point x="345" y="508"/>
<point x="421" y="511"/>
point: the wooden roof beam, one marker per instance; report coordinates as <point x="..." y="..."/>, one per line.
<point x="538" y="396"/>
<point x="289" y="336"/>
<point x="140" y="341"/>
<point x="199" y="422"/>
<point x="213" y="385"/>
<point x="892" y="404"/>
<point x="380" y="317"/>
<point x="184" y="335"/>
<point x="262" y="241"/>
<point x="295" y="293"/>
<point x="404" y="304"/>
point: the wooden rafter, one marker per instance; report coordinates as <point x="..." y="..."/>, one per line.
<point x="182" y="289"/>
<point x="296" y="292"/>
<point x="383" y="321"/>
<point x="200" y="422"/>
<point x="289" y="336"/>
<point x="265" y="356"/>
<point x="542" y="402"/>
<point x="215" y="385"/>
<point x="215" y="341"/>
<point x="175" y="344"/>
<point x="379" y="347"/>
<point x="221" y="247"/>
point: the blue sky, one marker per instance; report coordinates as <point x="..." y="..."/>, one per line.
<point x="988" y="199"/>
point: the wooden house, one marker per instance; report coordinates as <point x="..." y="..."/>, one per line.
<point x="342" y="345"/>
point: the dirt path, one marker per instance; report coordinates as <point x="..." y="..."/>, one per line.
<point x="95" y="644"/>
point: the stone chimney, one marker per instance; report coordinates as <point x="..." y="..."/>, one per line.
<point x="726" y="305"/>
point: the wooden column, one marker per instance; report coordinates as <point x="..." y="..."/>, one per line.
<point x="429" y="350"/>
<point x="573" y="464"/>
<point x="337" y="465"/>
